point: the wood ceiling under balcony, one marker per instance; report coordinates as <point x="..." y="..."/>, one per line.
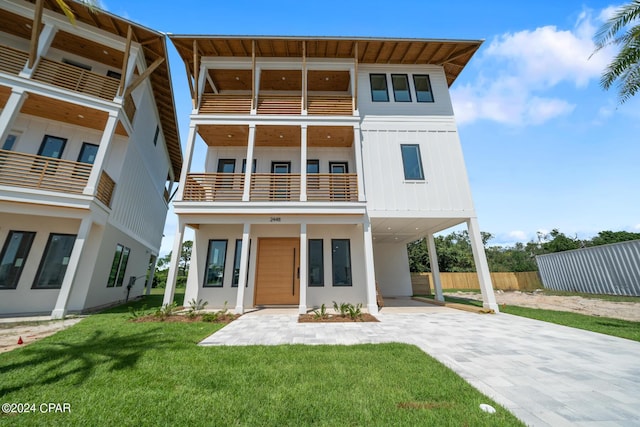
<point x="276" y="136"/>
<point x="452" y="55"/>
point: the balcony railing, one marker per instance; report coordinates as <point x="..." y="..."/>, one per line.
<point x="106" y="186"/>
<point x="225" y="104"/>
<point x="337" y="105"/>
<point x="44" y="173"/>
<point x="76" y="79"/>
<point x="280" y="104"/>
<point x="332" y="187"/>
<point x="222" y="187"/>
<point x="12" y="60"/>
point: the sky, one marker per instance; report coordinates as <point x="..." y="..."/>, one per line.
<point x="545" y="147"/>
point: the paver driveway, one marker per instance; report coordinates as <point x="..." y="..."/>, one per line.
<point x="545" y="374"/>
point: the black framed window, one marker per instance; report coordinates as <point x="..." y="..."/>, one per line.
<point x="379" y="91"/>
<point x="401" y="91"/>
<point x="216" y="256"/>
<point x="52" y="146"/>
<point x="226" y="165"/>
<point x="155" y="137"/>
<point x="76" y="64"/>
<point x="341" y="262"/>
<point x="55" y="260"/>
<point x="13" y="257"/>
<point x="244" y="166"/>
<point x="313" y="166"/>
<point x="316" y="263"/>
<point x="9" y="142"/>
<point x="423" y="88"/>
<point x="118" y="266"/>
<point x="338" y="167"/>
<point x="114" y="74"/>
<point x="412" y="162"/>
<point x="88" y="153"/>
<point x="236" y="264"/>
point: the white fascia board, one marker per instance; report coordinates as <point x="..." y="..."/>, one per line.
<point x="275" y="120"/>
<point x="233" y="63"/>
<point x="31" y="199"/>
<point x="267" y="208"/>
<point x="422" y="214"/>
<point x="268" y="220"/>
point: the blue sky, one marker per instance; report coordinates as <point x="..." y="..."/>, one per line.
<point x="545" y="146"/>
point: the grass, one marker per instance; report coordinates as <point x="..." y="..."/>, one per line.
<point x="115" y="372"/>
<point x="615" y="298"/>
<point x="604" y="325"/>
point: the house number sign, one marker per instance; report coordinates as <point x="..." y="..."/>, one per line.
<point x="275" y="219"/>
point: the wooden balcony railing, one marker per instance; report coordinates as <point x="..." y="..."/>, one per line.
<point x="129" y="108"/>
<point x="225" y="104"/>
<point x="280" y="104"/>
<point x="106" y="186"/>
<point x="12" y="60"/>
<point x="44" y="173"/>
<point x="337" y="105"/>
<point x="213" y="187"/>
<point x="332" y="187"/>
<point x="76" y="79"/>
<point x="276" y="187"/>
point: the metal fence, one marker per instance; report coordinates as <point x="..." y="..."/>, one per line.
<point x="608" y="269"/>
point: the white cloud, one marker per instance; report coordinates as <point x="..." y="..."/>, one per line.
<point x="637" y="226"/>
<point x="519" y="235"/>
<point x="526" y="67"/>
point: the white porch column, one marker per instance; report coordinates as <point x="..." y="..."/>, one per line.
<point x="10" y="111"/>
<point x="44" y="42"/>
<point x="60" y="309"/>
<point x="303" y="163"/>
<point x="256" y="92"/>
<point x="152" y="273"/>
<point x="357" y="148"/>
<point x="170" y="287"/>
<point x="304" y="261"/>
<point x="244" y="267"/>
<point x="435" y="269"/>
<point x="372" y="302"/>
<point x="101" y="156"/>
<point x="186" y="164"/>
<point x="482" y="267"/>
<point x="248" y="170"/>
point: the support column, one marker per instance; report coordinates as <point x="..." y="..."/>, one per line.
<point x="304" y="262"/>
<point x="372" y="302"/>
<point x="170" y="287"/>
<point x="152" y="273"/>
<point x="357" y="148"/>
<point x="482" y="267"/>
<point x="44" y="40"/>
<point x="101" y="156"/>
<point x="186" y="164"/>
<point x="244" y="267"/>
<point x="303" y="163"/>
<point x="435" y="269"/>
<point x="248" y="170"/>
<point x="60" y="310"/>
<point x="10" y="112"/>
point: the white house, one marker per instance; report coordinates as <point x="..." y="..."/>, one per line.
<point x="325" y="156"/>
<point x="89" y="149"/>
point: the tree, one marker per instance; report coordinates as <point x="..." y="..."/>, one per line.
<point x="162" y="266"/>
<point x="606" y="237"/>
<point x="622" y="29"/>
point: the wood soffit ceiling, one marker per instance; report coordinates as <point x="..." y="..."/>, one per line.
<point x="452" y="55"/>
<point x="153" y="45"/>
<point x="276" y="136"/>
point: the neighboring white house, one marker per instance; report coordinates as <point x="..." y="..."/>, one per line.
<point x="89" y="149"/>
<point x="352" y="151"/>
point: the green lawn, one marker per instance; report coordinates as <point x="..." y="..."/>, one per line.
<point x="603" y="325"/>
<point x="114" y="372"/>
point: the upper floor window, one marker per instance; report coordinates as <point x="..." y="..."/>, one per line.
<point x="10" y="142"/>
<point x="155" y="137"/>
<point x="412" y="162"/>
<point x="379" y="91"/>
<point x="401" y="92"/>
<point x="226" y="165"/>
<point x="423" y="88"/>
<point x="52" y="146"/>
<point x="88" y="153"/>
<point x="313" y="166"/>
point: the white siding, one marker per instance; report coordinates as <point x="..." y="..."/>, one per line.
<point x="392" y="269"/>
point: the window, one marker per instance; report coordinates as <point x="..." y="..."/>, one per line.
<point x="52" y="146"/>
<point x="54" y="261"/>
<point x="412" y="162"/>
<point x="118" y="266"/>
<point x="401" y="92"/>
<point x="114" y="74"/>
<point x="379" y="92"/>
<point x="88" y="153"/>
<point x="341" y="262"/>
<point x="313" y="166"/>
<point x="236" y="264"/>
<point x="316" y="263"/>
<point x="338" y="167"/>
<point x="76" y="64"/>
<point x="226" y="165"/>
<point x="214" y="273"/>
<point x="244" y="166"/>
<point x="155" y="137"/>
<point x="10" y="142"/>
<point x="14" y="254"/>
<point x="423" y="88"/>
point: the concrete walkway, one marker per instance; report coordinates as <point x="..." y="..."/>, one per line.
<point x="545" y="374"/>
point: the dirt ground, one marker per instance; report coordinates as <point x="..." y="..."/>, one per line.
<point x="576" y="304"/>
<point x="30" y="331"/>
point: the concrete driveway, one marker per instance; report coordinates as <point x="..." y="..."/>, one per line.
<point x="545" y="374"/>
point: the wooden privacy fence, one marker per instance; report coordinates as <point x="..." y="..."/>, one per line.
<point x="422" y="283"/>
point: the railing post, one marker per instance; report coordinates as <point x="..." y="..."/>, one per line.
<point x="186" y="164"/>
<point x="303" y="163"/>
<point x="246" y="192"/>
<point x="101" y="156"/>
<point x="357" y="148"/>
<point x="44" y="42"/>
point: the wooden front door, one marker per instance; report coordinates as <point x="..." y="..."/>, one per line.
<point x="277" y="280"/>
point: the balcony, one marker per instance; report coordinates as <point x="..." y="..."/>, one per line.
<point x="268" y="187"/>
<point x="46" y="173"/>
<point x="225" y="104"/>
<point x="76" y="79"/>
<point x="12" y="61"/>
